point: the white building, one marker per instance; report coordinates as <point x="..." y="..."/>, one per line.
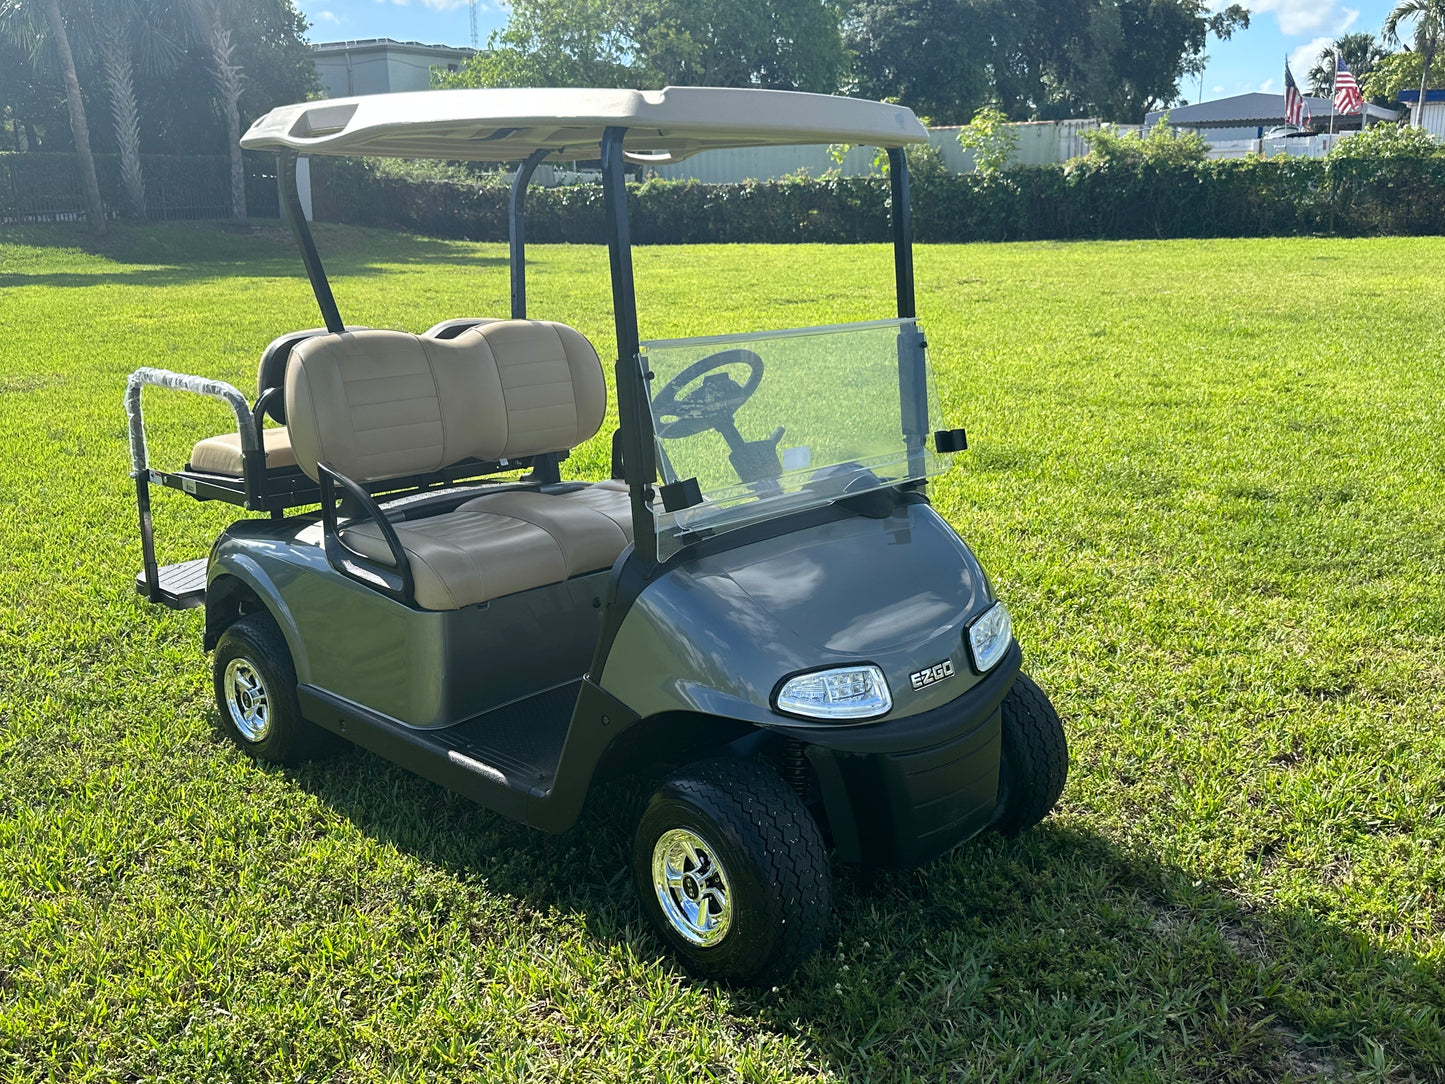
<point x="381" y="65"/>
<point x="1434" y="117"/>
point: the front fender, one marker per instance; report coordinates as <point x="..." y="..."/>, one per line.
<point x="714" y="635"/>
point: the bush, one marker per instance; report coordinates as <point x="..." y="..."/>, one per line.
<point x="1094" y="198"/>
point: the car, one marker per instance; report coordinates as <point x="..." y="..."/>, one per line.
<point x="761" y="607"/>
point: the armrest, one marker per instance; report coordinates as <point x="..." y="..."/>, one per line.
<point x="393" y="581"/>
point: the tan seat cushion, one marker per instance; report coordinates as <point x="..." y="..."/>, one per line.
<point x="588" y="539"/>
<point x="222" y="454"/>
<point x="610" y="498"/>
<point x="506" y="542"/>
<point x="466" y="557"/>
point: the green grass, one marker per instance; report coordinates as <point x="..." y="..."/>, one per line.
<point x="1207" y="476"/>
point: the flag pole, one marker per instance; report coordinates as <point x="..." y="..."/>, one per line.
<point x="1334" y="79"/>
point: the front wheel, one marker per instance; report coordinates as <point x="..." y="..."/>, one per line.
<point x="1035" y="758"/>
<point x="732" y="870"/>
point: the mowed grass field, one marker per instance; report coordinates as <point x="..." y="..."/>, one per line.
<point x="1208" y="477"/>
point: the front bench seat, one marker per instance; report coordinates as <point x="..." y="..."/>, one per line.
<point x="375" y="405"/>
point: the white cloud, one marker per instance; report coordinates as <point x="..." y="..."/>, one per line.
<point x="1296" y="17"/>
<point x="1302" y="59"/>
<point x="326" y="17"/>
<point x="1218" y="88"/>
<point x="1267" y="87"/>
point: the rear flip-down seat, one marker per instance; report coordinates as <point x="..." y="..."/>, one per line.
<point x="222" y="454"/>
<point x="374" y="405"/>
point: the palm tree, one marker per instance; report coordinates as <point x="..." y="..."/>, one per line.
<point x="128" y="31"/>
<point x="1360" y="52"/>
<point x="216" y="36"/>
<point x="23" y="20"/>
<point x="1429" y="19"/>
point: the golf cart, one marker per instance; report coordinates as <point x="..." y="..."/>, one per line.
<point x="761" y="599"/>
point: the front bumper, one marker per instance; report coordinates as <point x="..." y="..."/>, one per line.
<point x="906" y="791"/>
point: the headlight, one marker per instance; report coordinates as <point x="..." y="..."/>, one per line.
<point x="849" y="692"/>
<point x="989" y="637"/>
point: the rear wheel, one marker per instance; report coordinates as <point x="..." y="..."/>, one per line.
<point x="1035" y="758"/>
<point x="255" y="686"/>
<point x="732" y="869"/>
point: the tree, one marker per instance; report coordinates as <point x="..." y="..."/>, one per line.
<point x="788" y="44"/>
<point x="1361" y="52"/>
<point x="571" y="43"/>
<point x="1429" y="19"/>
<point x="990" y="138"/>
<point x="1394" y="73"/>
<point x="1033" y="59"/>
<point x="24" y="19"/>
<point x="216" y="38"/>
<point x="131" y="31"/>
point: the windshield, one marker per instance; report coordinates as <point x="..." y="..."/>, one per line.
<point x="779" y="421"/>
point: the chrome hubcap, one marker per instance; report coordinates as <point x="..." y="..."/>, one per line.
<point x="246" y="700"/>
<point x="691" y="886"/>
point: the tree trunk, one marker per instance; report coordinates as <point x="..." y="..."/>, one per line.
<point x="228" y="85"/>
<point x="94" y="211"/>
<point x="1425" y="59"/>
<point x="124" y="113"/>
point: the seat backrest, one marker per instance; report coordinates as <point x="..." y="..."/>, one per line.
<point x="386" y="404"/>
<point x="271" y="372"/>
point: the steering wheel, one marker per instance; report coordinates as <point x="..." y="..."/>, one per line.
<point x="714" y="402"/>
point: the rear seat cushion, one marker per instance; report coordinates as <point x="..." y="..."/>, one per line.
<point x="466" y="557"/>
<point x="222" y="454"/>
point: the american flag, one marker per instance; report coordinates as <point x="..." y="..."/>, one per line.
<point x="1295" y="111"/>
<point x="1347" y="91"/>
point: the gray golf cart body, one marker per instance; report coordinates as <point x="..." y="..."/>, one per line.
<point x="738" y="566"/>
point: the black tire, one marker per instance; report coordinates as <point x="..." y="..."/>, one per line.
<point x="1035" y="758"/>
<point x="772" y="861"/>
<point x="269" y="726"/>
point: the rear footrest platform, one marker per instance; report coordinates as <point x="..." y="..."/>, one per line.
<point x="182" y="586"/>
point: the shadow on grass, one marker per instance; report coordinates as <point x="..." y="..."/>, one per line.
<point x="1059" y="953"/>
<point x="186" y="254"/>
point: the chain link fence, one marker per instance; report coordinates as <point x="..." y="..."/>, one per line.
<point x="45" y="187"/>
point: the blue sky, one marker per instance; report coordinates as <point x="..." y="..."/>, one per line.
<point x="1252" y="60"/>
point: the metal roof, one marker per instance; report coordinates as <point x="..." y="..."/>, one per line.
<point x="505" y="125"/>
<point x="1254" y="110"/>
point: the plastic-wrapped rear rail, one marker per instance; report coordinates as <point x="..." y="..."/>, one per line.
<point x="181" y="592"/>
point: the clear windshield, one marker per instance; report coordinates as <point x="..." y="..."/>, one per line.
<point x="776" y="422"/>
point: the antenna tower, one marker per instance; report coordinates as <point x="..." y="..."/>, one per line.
<point x="473" y="13"/>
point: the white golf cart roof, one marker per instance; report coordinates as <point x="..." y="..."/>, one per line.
<point x="509" y="124"/>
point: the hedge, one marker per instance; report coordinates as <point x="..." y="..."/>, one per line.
<point x="1230" y="198"/>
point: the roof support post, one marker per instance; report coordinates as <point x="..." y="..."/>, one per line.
<point x="296" y="219"/>
<point x="634" y="418"/>
<point x="516" y="234"/>
<point x="912" y="374"/>
<point x="902" y="231"/>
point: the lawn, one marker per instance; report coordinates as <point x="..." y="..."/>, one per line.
<point x="1208" y="477"/>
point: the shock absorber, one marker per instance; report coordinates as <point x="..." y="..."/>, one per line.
<point x="795" y="767"/>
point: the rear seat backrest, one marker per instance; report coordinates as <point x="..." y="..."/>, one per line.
<point x="384" y="404"/>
